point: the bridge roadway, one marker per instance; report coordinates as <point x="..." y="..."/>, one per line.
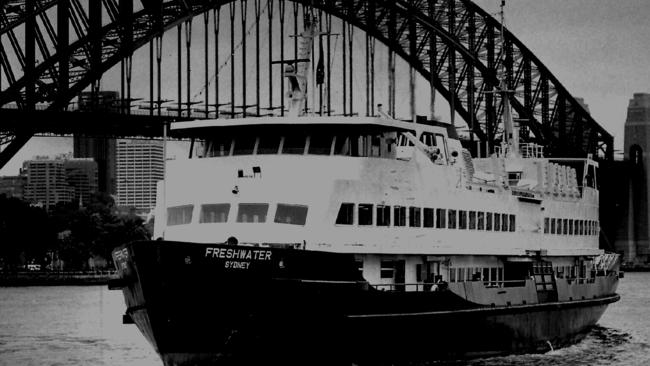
<point x="17" y="122"/>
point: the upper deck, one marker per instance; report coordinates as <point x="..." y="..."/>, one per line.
<point x="316" y="135"/>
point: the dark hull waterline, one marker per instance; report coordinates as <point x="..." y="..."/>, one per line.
<point x="297" y="307"/>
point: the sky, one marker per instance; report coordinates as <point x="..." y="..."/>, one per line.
<point x="598" y="49"/>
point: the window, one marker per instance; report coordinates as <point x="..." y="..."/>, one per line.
<point x="493" y="275"/>
<point x="513" y="178"/>
<point x="480" y="220"/>
<point x="441" y="215"/>
<point x="179" y="215"/>
<point x="497" y="222"/>
<point x="452" y="219"/>
<point x="462" y="219"/>
<point x="427" y="139"/>
<point x="488" y="221"/>
<point x="356" y="146"/>
<point x="294" y="144"/>
<point x="365" y="214"/>
<point x="428" y="217"/>
<point x="565" y="226"/>
<point x="291" y="214"/>
<point x="252" y="212"/>
<point x="399" y="216"/>
<point x="559" y="227"/>
<point x="441" y="144"/>
<point x="570" y="232"/>
<point x="581" y="229"/>
<point x="383" y="215"/>
<point x="553" y="226"/>
<point x="452" y="275"/>
<point x="320" y="144"/>
<point x="346" y="214"/>
<point x="375" y="145"/>
<point x="214" y="213"/>
<point x="472" y="220"/>
<point x="414" y="217"/>
<point x="268" y="145"/>
<point x="218" y="147"/>
<point x="387" y="269"/>
<point x="513" y="223"/>
<point x="342" y="146"/>
<point x="244" y="145"/>
<point x="359" y="263"/>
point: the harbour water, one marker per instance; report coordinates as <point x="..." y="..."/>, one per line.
<point x="74" y="326"/>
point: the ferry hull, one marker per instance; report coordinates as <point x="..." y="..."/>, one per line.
<point x="295" y="306"/>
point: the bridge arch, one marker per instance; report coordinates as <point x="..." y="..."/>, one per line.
<point x="453" y="44"/>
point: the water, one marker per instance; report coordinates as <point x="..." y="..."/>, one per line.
<point x="75" y="326"/>
<point x="68" y="325"/>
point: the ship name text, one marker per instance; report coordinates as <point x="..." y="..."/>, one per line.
<point x="244" y="254"/>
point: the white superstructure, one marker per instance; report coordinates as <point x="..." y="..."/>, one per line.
<point x="382" y="189"/>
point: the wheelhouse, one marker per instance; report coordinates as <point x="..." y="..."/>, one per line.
<point x="325" y="136"/>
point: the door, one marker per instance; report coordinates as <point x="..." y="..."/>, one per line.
<point x="544" y="282"/>
<point x="400" y="275"/>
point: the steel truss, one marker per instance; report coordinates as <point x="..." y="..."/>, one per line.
<point x="453" y="44"/>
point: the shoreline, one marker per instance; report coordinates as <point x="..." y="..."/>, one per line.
<point x="54" y="278"/>
<point x="637" y="268"/>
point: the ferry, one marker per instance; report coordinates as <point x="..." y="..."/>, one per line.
<point x="340" y="239"/>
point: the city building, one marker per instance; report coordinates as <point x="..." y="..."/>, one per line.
<point x="49" y="181"/>
<point x="634" y="232"/>
<point x="101" y="149"/>
<point x="46" y="182"/>
<point x="140" y="165"/>
<point x="81" y="175"/>
<point x="13" y="186"/>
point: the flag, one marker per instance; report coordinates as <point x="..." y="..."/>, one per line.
<point x="320" y="68"/>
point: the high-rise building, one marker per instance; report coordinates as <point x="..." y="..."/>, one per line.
<point x="81" y="175"/>
<point x="62" y="179"/>
<point x="634" y="233"/>
<point x="101" y="149"/>
<point x="140" y="165"/>
<point x="13" y="186"/>
<point x="46" y="183"/>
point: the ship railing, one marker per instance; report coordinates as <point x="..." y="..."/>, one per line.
<point x="97" y="273"/>
<point x="409" y="287"/>
<point x="501" y="284"/>
<point x="580" y="280"/>
<point x="526" y="150"/>
<point x="430" y="286"/>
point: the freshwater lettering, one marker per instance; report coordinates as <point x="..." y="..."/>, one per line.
<point x="238" y="253"/>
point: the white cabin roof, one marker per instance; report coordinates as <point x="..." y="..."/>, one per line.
<point x="304" y="121"/>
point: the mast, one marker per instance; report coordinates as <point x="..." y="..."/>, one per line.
<point x="510" y="134"/>
<point x="297" y="70"/>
